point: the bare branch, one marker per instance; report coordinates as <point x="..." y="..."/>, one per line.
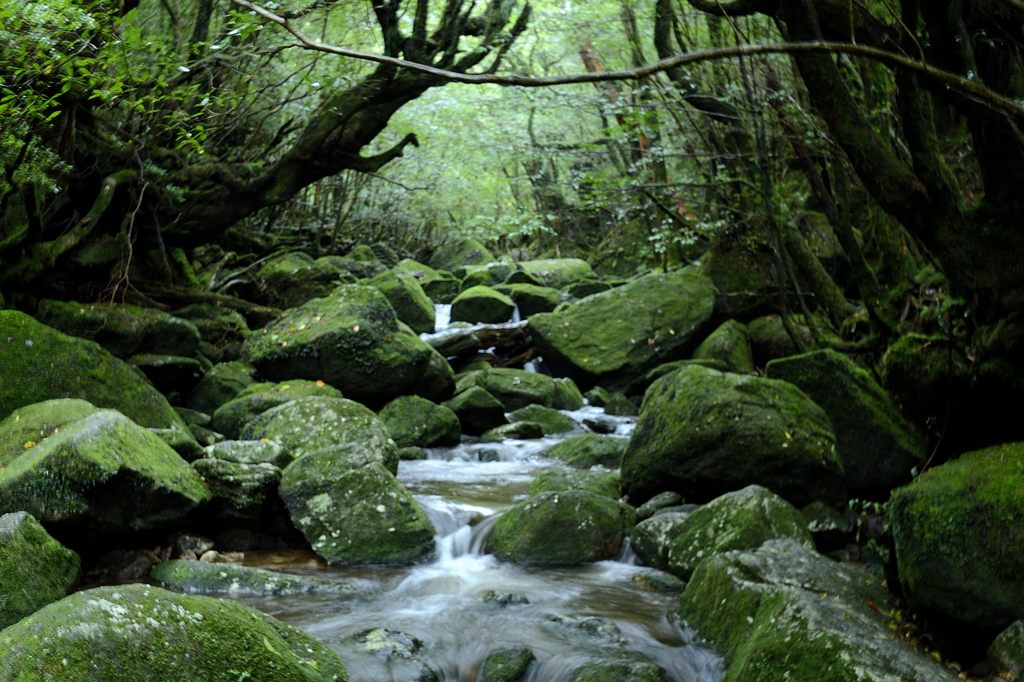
<point x="957" y="83"/>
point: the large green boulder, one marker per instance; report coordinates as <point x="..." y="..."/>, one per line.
<point x="128" y="633"/>
<point x="350" y="339"/>
<point x="68" y="463"/>
<point x="605" y="483"/>
<point x="203" y="577"/>
<point x="40" y="363"/>
<point x="35" y="569"/>
<point x="959" y="536"/>
<point x="532" y="299"/>
<point x="744" y="519"/>
<point x="650" y="538"/>
<point x="729" y="345"/>
<point x="313" y="425"/>
<point x="782" y="612"/>
<point x="558" y="273"/>
<point x="255" y="399"/>
<point x="877" y="446"/>
<point x="123" y="329"/>
<point x="222" y="330"/>
<point x="358" y="516"/>
<point x="412" y="420"/>
<point x="620" y="334"/>
<point x="439" y="285"/>
<point x="242" y="492"/>
<point x="589" y="449"/>
<point x="291" y="279"/>
<point x="1006" y="653"/>
<point x="477" y="410"/>
<point x="482" y="304"/>
<point x="703" y="433"/>
<point x="438" y="381"/>
<point x="407" y="297"/>
<point x="516" y="388"/>
<point x="561" y="528"/>
<point x="464" y="251"/>
<point x="222" y="383"/>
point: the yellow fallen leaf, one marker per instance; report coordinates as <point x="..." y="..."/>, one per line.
<point x="320" y="383"/>
<point x="30" y="444"/>
<point x="355" y="328"/>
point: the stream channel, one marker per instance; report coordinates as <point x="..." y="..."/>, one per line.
<point x="465" y="603"/>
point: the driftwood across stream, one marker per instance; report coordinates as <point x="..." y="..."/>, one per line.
<point x="511" y="338"/>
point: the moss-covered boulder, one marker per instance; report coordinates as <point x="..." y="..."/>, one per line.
<point x="255" y="399"/>
<point x="567" y="395"/>
<point x="482" y="304"/>
<point x="558" y="273"/>
<point x="478" y="411"/>
<point x="383" y="654"/>
<point x="959" y="536"/>
<point x="123" y="329"/>
<point x="587" y="287"/>
<point x="440" y="286"/>
<point x="877" y="446"/>
<point x="561" y="528"/>
<point x="1006" y="653"/>
<point x="589" y="449"/>
<point x="506" y="665"/>
<point x="35" y="569"/>
<point x="245" y="493"/>
<point x="69" y="463"/>
<point x="40" y="363"/>
<point x="350" y="339"/>
<point x="703" y="433"/>
<point x="412" y="420"/>
<point x="202" y="577"/>
<point x="622" y="333"/>
<point x="769" y="338"/>
<point x="532" y="299"/>
<point x="744" y="519"/>
<point x="550" y="420"/>
<point x="291" y="279"/>
<point x="613" y="402"/>
<point x="514" y="388"/>
<point x="730" y="345"/>
<point x="129" y="633"/>
<point x="513" y="431"/>
<point x="605" y="483"/>
<point x="315" y="425"/>
<point x="783" y="612"/>
<point x="249" y="452"/>
<point x="407" y="297"/>
<point x="358" y="266"/>
<point x="650" y="538"/>
<point x="361" y="516"/>
<point x="222" y="383"/>
<point x="458" y="252"/>
<point x="222" y="330"/>
<point x="438" y="381"/>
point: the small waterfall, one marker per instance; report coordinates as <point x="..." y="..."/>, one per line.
<point x="442" y="316"/>
<point x="517" y="317"/>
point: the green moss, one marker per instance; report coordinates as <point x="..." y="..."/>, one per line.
<point x="514" y="388"/>
<point x="438" y="381"/>
<point x="39" y="363"/>
<point x="464" y="251"/>
<point x="360" y="516"/>
<point x="1007" y="651"/>
<point x="550" y="420"/>
<point x="222" y="329"/>
<point x="202" y="577"/>
<point x="622" y="333"/>
<point x="101" y="470"/>
<point x="567" y="395"/>
<point x="744" y="519"/>
<point x="221" y="384"/>
<point x="241" y="492"/>
<point x="602" y="483"/>
<point x="959" y="536"/>
<point x="613" y="402"/>
<point x="478" y="411"/>
<point x="532" y="299"/>
<point x="350" y="339"/>
<point x="619" y="672"/>
<point x="506" y="665"/>
<point x="877" y="446"/>
<point x="407" y="297"/>
<point x="291" y="279"/>
<point x="249" y="452"/>
<point x="255" y="399"/>
<point x="589" y="449"/>
<point x="316" y="424"/>
<point x="703" y="433"/>
<point x="558" y="273"/>
<point x="412" y="420"/>
<point x="515" y="431"/>
<point x="35" y="569"/>
<point x="438" y="285"/>
<point x="138" y="632"/>
<point x="560" y="528"/>
<point x="122" y="329"/>
<point x="729" y="345"/>
<point x="482" y="304"/>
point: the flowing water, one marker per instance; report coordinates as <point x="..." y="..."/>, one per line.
<point x="466" y="603"/>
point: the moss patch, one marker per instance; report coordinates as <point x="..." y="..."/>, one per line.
<point x="35" y="569"/>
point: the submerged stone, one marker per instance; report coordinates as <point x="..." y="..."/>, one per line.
<point x="506" y="665"/>
<point x="203" y="577"/>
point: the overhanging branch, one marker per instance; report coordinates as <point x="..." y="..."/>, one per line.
<point x="959" y="84"/>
